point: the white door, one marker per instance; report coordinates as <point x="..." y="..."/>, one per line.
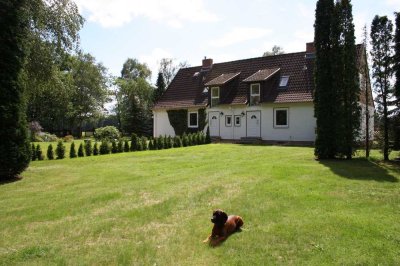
<point x="213" y="121"/>
<point x="253" y="124"/>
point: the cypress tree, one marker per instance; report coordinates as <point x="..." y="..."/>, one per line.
<point x="155" y="143"/>
<point x="208" y="137"/>
<point x="324" y="94"/>
<point x="72" y="152"/>
<point x="95" y="149"/>
<point x="151" y="145"/>
<point x="114" y="148"/>
<point x="80" y="151"/>
<point x="381" y="55"/>
<point x="120" y="146"/>
<point x="144" y="143"/>
<point x="104" y="149"/>
<point x="50" y="152"/>
<point x="39" y="154"/>
<point x="60" y="150"/>
<point x="396" y="58"/>
<point x="88" y="147"/>
<point x="33" y="152"/>
<point x="160" y="143"/>
<point x="160" y="84"/>
<point x="134" y="142"/>
<point x="15" y="151"/>
<point x="185" y="140"/>
<point x="126" y="146"/>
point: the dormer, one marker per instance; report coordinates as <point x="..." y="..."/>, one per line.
<point x="257" y="84"/>
<point x="218" y="87"/>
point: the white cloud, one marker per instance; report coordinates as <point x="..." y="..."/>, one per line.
<point x="119" y="12"/>
<point x="153" y="60"/>
<point x="395" y="3"/>
<point x="240" y="34"/>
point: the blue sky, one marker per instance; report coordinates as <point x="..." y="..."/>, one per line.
<point x="224" y="30"/>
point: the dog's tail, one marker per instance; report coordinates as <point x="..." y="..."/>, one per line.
<point x="239" y="222"/>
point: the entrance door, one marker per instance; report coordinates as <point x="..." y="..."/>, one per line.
<point x="213" y="121"/>
<point x="253" y="124"/>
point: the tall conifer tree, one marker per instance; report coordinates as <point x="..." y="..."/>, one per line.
<point x="396" y="66"/>
<point x="160" y="87"/>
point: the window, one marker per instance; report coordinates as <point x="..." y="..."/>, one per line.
<point x="254" y="94"/>
<point x="237" y="120"/>
<point x="281" y="117"/>
<point x="193" y="120"/>
<point x="228" y="120"/>
<point x="284" y="81"/>
<point x="214" y="96"/>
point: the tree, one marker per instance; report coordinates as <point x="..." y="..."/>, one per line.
<point x="88" y="147"/>
<point x="80" y="150"/>
<point x="133" y="69"/>
<point x="15" y="153"/>
<point x="381" y="55"/>
<point x="60" y="150"/>
<point x="276" y="50"/>
<point x="50" y="152"/>
<point x="169" y="69"/>
<point x="160" y="87"/>
<point x="396" y="58"/>
<point x="72" y="151"/>
<point x="39" y="154"/>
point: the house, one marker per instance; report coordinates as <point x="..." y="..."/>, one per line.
<point x="266" y="98"/>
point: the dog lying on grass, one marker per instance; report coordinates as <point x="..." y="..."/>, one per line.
<point x="224" y="226"/>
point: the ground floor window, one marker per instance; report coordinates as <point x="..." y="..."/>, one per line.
<point x="281" y="118"/>
<point x="237" y="120"/>
<point x="193" y="119"/>
<point x="228" y="121"/>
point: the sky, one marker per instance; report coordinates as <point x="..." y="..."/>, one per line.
<point x="189" y="30"/>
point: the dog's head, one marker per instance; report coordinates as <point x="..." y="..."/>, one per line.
<point x="219" y="217"/>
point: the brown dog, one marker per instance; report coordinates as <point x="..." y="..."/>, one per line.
<point x="224" y="226"/>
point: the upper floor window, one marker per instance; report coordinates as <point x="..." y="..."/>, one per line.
<point x="193" y="119"/>
<point x="214" y="96"/>
<point x="254" y="94"/>
<point x="284" y="81"/>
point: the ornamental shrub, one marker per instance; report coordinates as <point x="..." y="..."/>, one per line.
<point x="68" y="138"/>
<point x="144" y="143"/>
<point x="80" y="151"/>
<point x="72" y="152"/>
<point x="120" y="146"/>
<point x="50" y="152"/>
<point x="114" y="148"/>
<point x="104" y="149"/>
<point x="208" y="137"/>
<point x="95" y="149"/>
<point x="185" y="140"/>
<point x="126" y="146"/>
<point x="39" y="154"/>
<point x="170" y="144"/>
<point x="107" y="133"/>
<point x="160" y="143"/>
<point x="88" y="147"/>
<point x="134" y="142"/>
<point x="177" y="142"/>
<point x="139" y="145"/>
<point x="60" y="150"/>
<point x="33" y="152"/>
<point x="202" y="138"/>
<point x="155" y="144"/>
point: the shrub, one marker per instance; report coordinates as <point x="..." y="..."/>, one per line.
<point x="39" y="154"/>
<point x="33" y="152"/>
<point x="155" y="144"/>
<point x="190" y="139"/>
<point x="68" y="138"/>
<point x="80" y="151"/>
<point x="72" y="152"/>
<point x="144" y="143"/>
<point x="104" y="149"/>
<point x="95" y="149"/>
<point x="120" y="147"/>
<point x="170" y="143"/>
<point x="202" y="138"/>
<point x="208" y="137"/>
<point x="160" y="143"/>
<point x="106" y="133"/>
<point x="134" y="141"/>
<point x="139" y="145"/>
<point x="88" y="147"/>
<point x="47" y="137"/>
<point x="177" y="142"/>
<point x="126" y="146"/>
<point x="60" y="150"/>
<point x="35" y="128"/>
<point x="185" y="140"/>
<point x="151" y="146"/>
<point x="114" y="148"/>
<point x="37" y="138"/>
<point x="50" y="152"/>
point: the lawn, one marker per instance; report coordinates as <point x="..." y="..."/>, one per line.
<point x="154" y="208"/>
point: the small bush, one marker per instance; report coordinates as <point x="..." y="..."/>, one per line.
<point x="185" y="140"/>
<point x="68" y="138"/>
<point x="60" y="150"/>
<point x="155" y="144"/>
<point x="208" y="137"/>
<point x="170" y="142"/>
<point x="134" y="142"/>
<point x="126" y="146"/>
<point x="80" y="151"/>
<point x="106" y="133"/>
<point x="114" y="148"/>
<point x="120" y="146"/>
<point x="72" y="152"/>
<point x="88" y="147"/>
<point x="39" y="154"/>
<point x="50" y="152"/>
<point x="177" y="142"/>
<point x="47" y="137"/>
<point x="144" y="143"/>
<point x="104" y="149"/>
<point x="160" y="143"/>
<point x="33" y="152"/>
<point x="95" y="149"/>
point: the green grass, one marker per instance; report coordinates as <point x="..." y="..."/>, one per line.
<point x="154" y="208"/>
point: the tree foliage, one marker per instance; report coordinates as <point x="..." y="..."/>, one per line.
<point x="276" y="50"/>
<point x="169" y="68"/>
<point x="396" y="58"/>
<point x="160" y="87"/>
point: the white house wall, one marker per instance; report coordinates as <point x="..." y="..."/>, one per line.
<point x="161" y="124"/>
<point x="363" y="124"/>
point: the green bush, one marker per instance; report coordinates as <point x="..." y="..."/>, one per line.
<point x="88" y="147"/>
<point x="95" y="149"/>
<point x="72" y="152"/>
<point x="208" y="137"/>
<point x="120" y="146"/>
<point x="144" y="143"/>
<point x="126" y="146"/>
<point x="134" y="142"/>
<point x="151" y="144"/>
<point x="170" y="142"/>
<point x="139" y="145"/>
<point x="114" y="148"/>
<point x="160" y="143"/>
<point x="33" y="152"/>
<point x="155" y="144"/>
<point x="107" y="133"/>
<point x="185" y="140"/>
<point x="50" y="152"/>
<point x="60" y="150"/>
<point x="39" y="154"/>
<point x="47" y="137"/>
<point x="104" y="149"/>
<point x="80" y="151"/>
<point x="177" y="142"/>
<point x="68" y="138"/>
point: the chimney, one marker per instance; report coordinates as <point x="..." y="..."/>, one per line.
<point x="310" y="50"/>
<point x="207" y="63"/>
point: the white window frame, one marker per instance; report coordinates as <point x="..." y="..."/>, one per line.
<point x="280" y="81"/>
<point x="240" y="120"/>
<point x="214" y="97"/>
<point x="226" y="121"/>
<point x="287" y="117"/>
<point x="197" y="119"/>
<point x="255" y="94"/>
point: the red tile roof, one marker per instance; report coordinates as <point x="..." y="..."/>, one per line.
<point x="222" y="79"/>
<point x="262" y="75"/>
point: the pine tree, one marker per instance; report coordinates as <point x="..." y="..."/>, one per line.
<point x="160" y="84"/>
<point x="33" y="152"/>
<point x="396" y="58"/>
<point x="126" y="146"/>
<point x="95" y="149"/>
<point x="104" y="149"/>
<point x="381" y="55"/>
<point x="72" y="152"/>
<point x="60" y="150"/>
<point x="15" y="151"/>
<point x="88" y="147"/>
<point x="50" y="152"/>
<point x="134" y="141"/>
<point x="80" y="151"/>
<point x="39" y="154"/>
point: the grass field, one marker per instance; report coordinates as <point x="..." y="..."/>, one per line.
<point x="154" y="208"/>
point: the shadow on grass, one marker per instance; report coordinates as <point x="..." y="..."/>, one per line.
<point x="363" y="169"/>
<point x="8" y="181"/>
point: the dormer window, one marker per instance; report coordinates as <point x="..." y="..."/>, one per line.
<point x="284" y="81"/>
<point x="214" y="96"/>
<point x="254" y="94"/>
